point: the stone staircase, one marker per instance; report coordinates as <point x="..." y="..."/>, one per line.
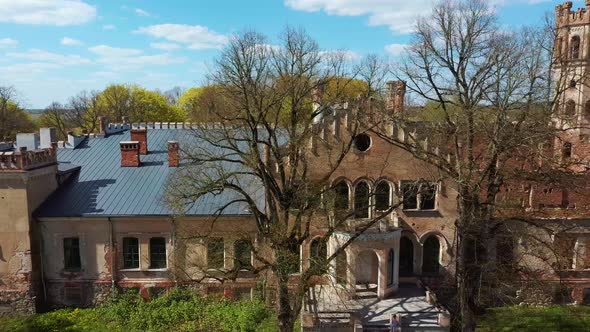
<point x="365" y="291"/>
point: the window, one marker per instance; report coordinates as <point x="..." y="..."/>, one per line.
<point x="318" y="255"/>
<point x="564" y="248"/>
<point x="361" y="200"/>
<point x="390" y="267"/>
<point x="382" y="196"/>
<point x="431" y="256"/>
<point x="293" y="259"/>
<point x="362" y="142"/>
<point x="157" y="253"/>
<point x="72" y="254"/>
<point x="570" y="109"/>
<point x="427" y="196"/>
<point x="215" y="253"/>
<point x="419" y="196"/>
<point x="130" y="253"/>
<point x="341" y="196"/>
<point x="566" y="153"/>
<point x="587" y="110"/>
<point x="242" y="255"/>
<point x="575" y="47"/>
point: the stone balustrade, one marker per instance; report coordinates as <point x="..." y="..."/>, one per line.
<point x="26" y="160"/>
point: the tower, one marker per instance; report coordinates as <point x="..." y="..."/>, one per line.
<point x="26" y="180"/>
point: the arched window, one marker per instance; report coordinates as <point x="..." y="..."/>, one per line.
<point x="341" y="196"/>
<point x="566" y="153"/>
<point x="318" y="254"/>
<point x="570" y="109"/>
<point x="406" y="257"/>
<point x="587" y="110"/>
<point x="390" y="266"/>
<point x="361" y="200"/>
<point x="341" y="268"/>
<point x="575" y="47"/>
<point x="431" y="255"/>
<point x="382" y="196"/>
<point x="242" y="255"/>
<point x="293" y="259"/>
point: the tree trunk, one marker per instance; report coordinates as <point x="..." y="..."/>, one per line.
<point x="285" y="314"/>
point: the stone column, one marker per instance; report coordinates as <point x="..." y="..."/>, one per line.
<point x="382" y="276"/>
<point x="418" y="257"/>
<point x="351" y="270"/>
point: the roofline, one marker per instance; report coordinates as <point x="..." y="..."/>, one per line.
<point x="150" y="216"/>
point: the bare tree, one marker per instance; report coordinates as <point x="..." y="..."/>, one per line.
<point x="267" y="153"/>
<point x="57" y="116"/>
<point x="490" y="100"/>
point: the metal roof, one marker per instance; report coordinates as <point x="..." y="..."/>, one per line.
<point x="104" y="188"/>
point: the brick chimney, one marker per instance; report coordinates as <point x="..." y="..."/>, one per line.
<point x="140" y="135"/>
<point x="173" y="154"/>
<point x="129" y="153"/>
<point x="102" y="126"/>
<point x="396" y="94"/>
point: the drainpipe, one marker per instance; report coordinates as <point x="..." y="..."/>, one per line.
<point x="112" y="245"/>
<point x="174" y="251"/>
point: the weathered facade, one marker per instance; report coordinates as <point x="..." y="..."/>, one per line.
<point x="83" y="218"/>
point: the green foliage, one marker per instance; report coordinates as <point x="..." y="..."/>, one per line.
<point x="179" y="310"/>
<point x="528" y="318"/>
<point x="13" y="120"/>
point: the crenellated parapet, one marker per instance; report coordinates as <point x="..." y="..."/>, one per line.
<point x="565" y="15"/>
<point x="24" y="160"/>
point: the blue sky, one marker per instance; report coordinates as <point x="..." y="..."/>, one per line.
<point x="52" y="49"/>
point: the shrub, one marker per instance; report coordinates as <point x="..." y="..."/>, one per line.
<point x="179" y="310"/>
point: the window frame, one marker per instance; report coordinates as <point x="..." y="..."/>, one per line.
<point x="390" y="192"/>
<point x="236" y="258"/>
<point x="164" y="245"/>
<point x="124" y="253"/>
<point x="368" y="208"/>
<point x="67" y="258"/>
<point x="215" y="241"/>
<point x="419" y="196"/>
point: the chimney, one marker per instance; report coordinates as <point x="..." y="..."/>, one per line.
<point x="173" y="154"/>
<point x="48" y="136"/>
<point x="102" y="126"/>
<point x="140" y="135"/>
<point x="129" y="153"/>
<point x="396" y="94"/>
<point x="28" y="140"/>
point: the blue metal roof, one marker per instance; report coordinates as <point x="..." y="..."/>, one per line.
<point x="104" y="188"/>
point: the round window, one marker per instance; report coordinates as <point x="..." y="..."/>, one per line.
<point x="362" y="142"/>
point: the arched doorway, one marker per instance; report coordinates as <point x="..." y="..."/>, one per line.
<point x="431" y="255"/>
<point x="367" y="267"/>
<point x="406" y="257"/>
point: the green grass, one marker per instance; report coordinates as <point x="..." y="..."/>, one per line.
<point x="533" y="319"/>
<point x="177" y="311"/>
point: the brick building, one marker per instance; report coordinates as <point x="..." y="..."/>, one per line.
<point x="83" y="217"/>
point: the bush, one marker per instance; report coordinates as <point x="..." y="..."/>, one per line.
<point x="179" y="310"/>
<point x="536" y="318"/>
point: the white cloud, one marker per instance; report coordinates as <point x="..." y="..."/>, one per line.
<point x="70" y="41"/>
<point x="109" y="51"/>
<point x="395" y="49"/>
<point x="45" y="56"/>
<point x="193" y="36"/>
<point x="141" y="12"/>
<point x="28" y="68"/>
<point x="346" y="55"/>
<point x="53" y="12"/>
<point x="165" y="46"/>
<point x="8" y="43"/>
<point x="399" y="15"/>
<point x="116" y="58"/>
<point x="108" y="27"/>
